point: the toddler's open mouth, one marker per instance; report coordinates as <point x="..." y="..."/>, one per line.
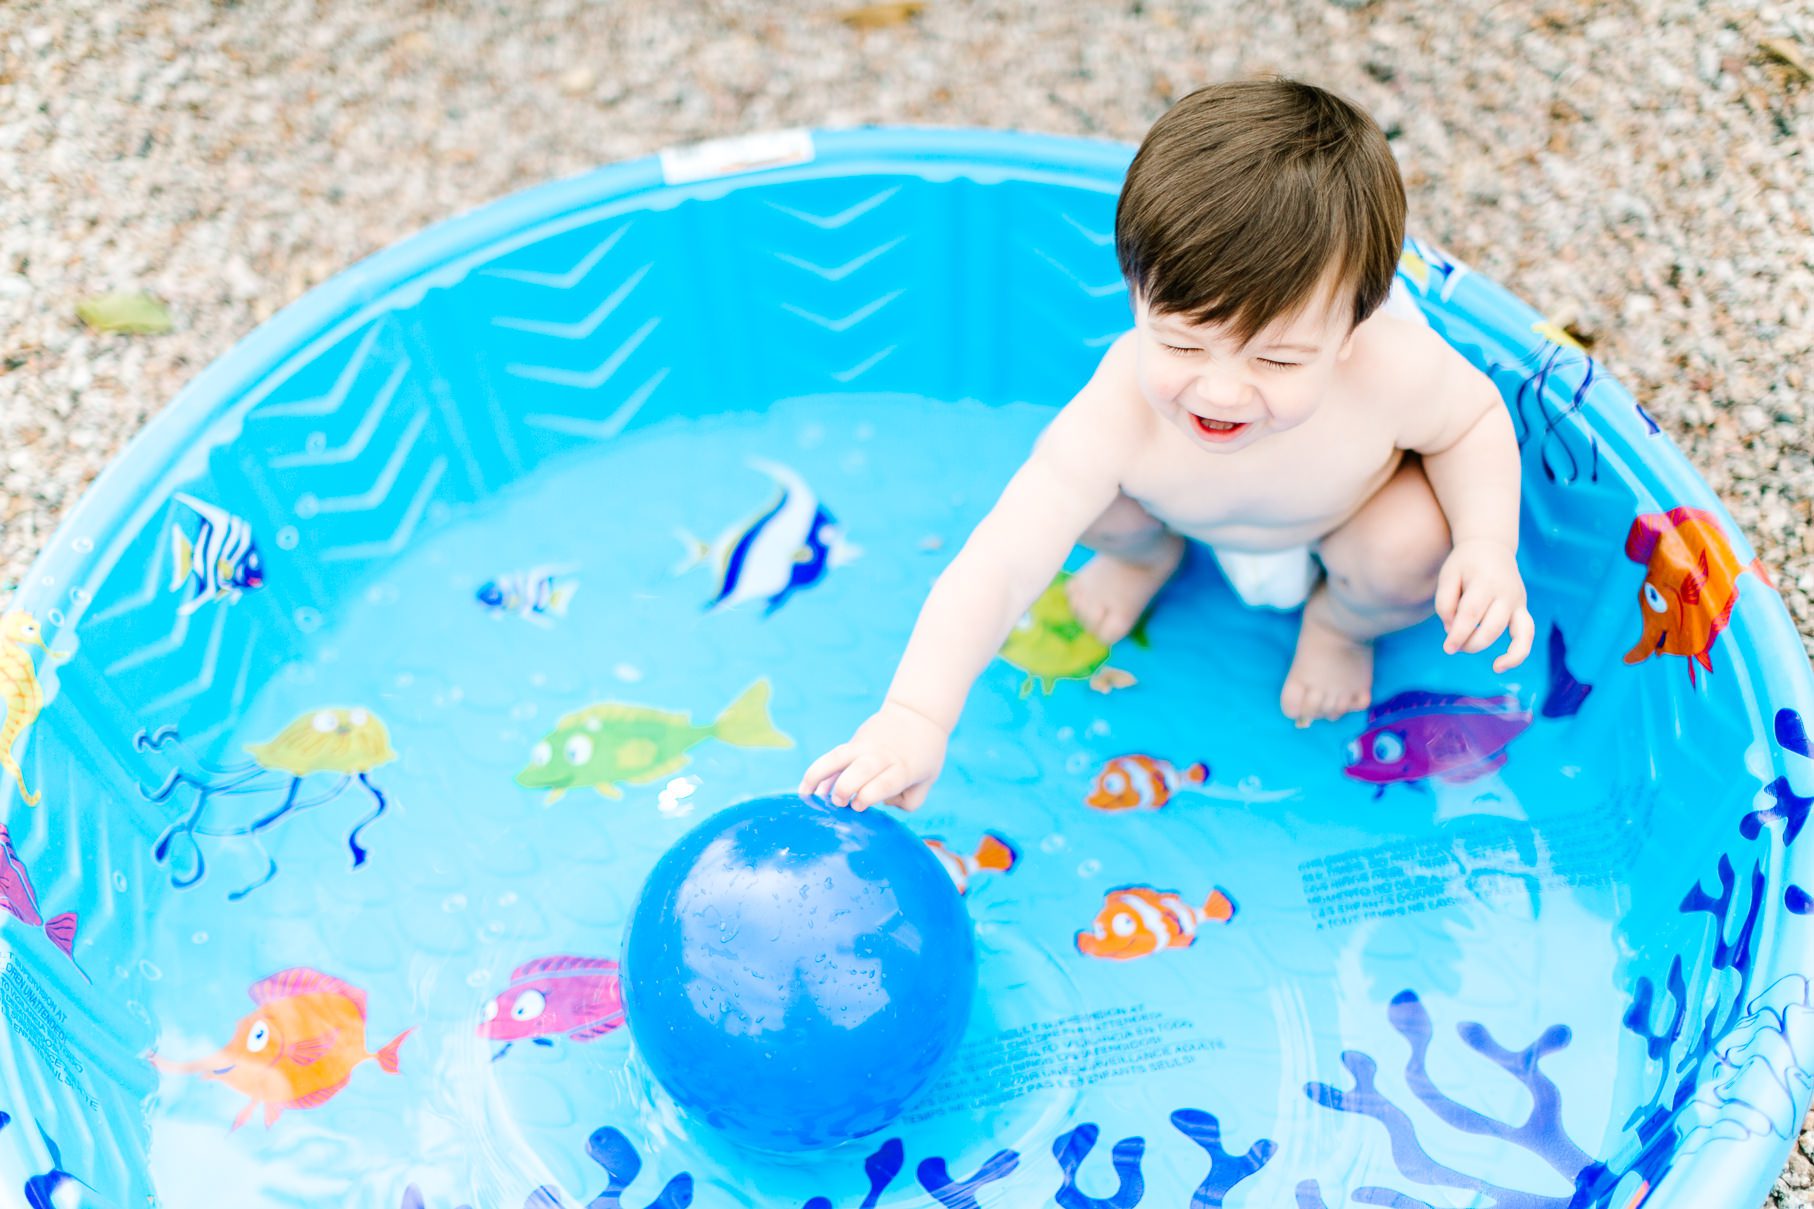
<point x="1218" y="430"/>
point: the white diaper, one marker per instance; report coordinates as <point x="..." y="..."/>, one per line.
<point x="1274" y="579"/>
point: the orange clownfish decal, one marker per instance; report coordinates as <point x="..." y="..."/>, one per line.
<point x="993" y="855"/>
<point x="1138" y="921"/>
<point x="1139" y="782"/>
<point x="1690" y="584"/>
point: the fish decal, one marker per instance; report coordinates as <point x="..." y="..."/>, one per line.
<point x="296" y="1049"/>
<point x="56" y="1188"/>
<point x="1426" y="264"/>
<point x="1050" y="644"/>
<point x="789" y="546"/>
<point x="1690" y="584"/>
<point x="610" y="743"/>
<point x="993" y="855"/>
<point x="579" y="996"/>
<point x="1138" y="921"/>
<point x="1415" y="735"/>
<point x="1139" y="782"/>
<point x="534" y="595"/>
<point x="19" y="689"/>
<point x="20" y="900"/>
<point x="219" y="562"/>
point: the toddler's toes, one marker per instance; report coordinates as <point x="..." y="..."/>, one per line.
<point x="1332" y="674"/>
<point x="1109" y="594"/>
<point x="1291" y="700"/>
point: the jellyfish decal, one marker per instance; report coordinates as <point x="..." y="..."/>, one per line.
<point x="243" y="800"/>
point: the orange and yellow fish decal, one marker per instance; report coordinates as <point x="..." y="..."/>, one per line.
<point x="296" y="1049"/>
<point x="1141" y="783"/>
<point x="992" y="855"/>
<point x="1690" y="584"/>
<point x="1138" y="921"/>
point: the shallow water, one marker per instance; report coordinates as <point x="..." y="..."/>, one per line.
<point x="1495" y="897"/>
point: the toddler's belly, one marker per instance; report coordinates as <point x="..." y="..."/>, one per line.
<point x="1265" y="521"/>
<point x="1254" y="539"/>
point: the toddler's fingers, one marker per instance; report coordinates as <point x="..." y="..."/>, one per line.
<point x="1468" y="613"/>
<point x="861" y="772"/>
<point x="1448" y="593"/>
<point x="1491" y="626"/>
<point x="1524" y="634"/>
<point x="824" y="768"/>
<point x="915" y="797"/>
<point x="886" y="784"/>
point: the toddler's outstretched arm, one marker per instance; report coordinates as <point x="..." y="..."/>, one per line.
<point x="1072" y="476"/>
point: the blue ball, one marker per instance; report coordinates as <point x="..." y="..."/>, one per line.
<point x="795" y="973"/>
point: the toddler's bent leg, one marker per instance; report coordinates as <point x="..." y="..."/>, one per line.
<point x="1135" y="555"/>
<point x="1381" y="569"/>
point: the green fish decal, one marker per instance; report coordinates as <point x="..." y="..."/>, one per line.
<point x="608" y="743"/>
<point x="1050" y="645"/>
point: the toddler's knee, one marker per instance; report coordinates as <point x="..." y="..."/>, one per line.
<point x="1397" y="571"/>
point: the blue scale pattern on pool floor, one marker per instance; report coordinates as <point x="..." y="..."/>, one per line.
<point x="434" y="884"/>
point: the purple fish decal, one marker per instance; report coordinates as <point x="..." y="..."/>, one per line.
<point x="18" y="899"/>
<point x="578" y="996"/>
<point x="1416" y="735"/>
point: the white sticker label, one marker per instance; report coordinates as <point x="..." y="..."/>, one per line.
<point x="744" y="153"/>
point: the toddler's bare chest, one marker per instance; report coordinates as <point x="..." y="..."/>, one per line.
<point x="1292" y="492"/>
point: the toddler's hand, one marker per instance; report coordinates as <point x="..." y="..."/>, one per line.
<point x="1479" y="595"/>
<point x="894" y="757"/>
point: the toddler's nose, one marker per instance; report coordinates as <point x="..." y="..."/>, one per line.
<point x="1221" y="391"/>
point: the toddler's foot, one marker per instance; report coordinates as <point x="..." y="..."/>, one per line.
<point x="1111" y="593"/>
<point x="1331" y="674"/>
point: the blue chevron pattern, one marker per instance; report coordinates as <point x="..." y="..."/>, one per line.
<point x="576" y="333"/>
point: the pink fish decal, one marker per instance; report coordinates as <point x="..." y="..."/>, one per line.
<point x="579" y="996"/>
<point x="18" y="899"/>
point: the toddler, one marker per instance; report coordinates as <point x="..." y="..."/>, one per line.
<point x="1271" y="403"/>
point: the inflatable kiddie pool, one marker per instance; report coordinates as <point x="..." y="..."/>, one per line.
<point x="348" y="712"/>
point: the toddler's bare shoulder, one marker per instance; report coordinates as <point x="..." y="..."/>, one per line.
<point x="1112" y="395"/>
<point x="1107" y="421"/>
<point x="1411" y="361"/>
<point x="1433" y="388"/>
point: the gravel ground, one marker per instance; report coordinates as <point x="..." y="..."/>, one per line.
<point x="1643" y="170"/>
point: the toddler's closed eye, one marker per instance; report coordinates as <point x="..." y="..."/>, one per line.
<point x="1266" y="361"/>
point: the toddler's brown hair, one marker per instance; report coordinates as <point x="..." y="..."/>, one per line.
<point x="1246" y="196"/>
